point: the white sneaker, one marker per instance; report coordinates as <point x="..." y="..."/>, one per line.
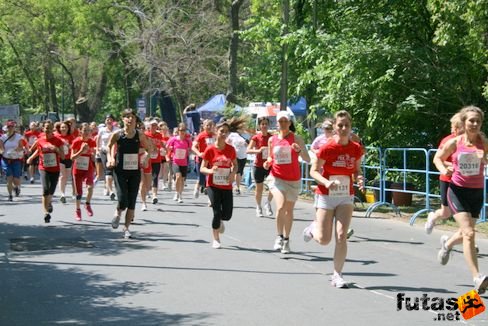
<point x="278" y="243"/>
<point x="116" y="220"/>
<point x="216" y="244"/>
<point x="180" y="200"/>
<point x="429" y="224"/>
<point x="259" y="211"/>
<point x="155" y="200"/>
<point x="285" y="248"/>
<point x="338" y="282"/>
<point x="307" y="232"/>
<point x="144" y="207"/>
<point x="105" y="192"/>
<point x="481" y="283"/>
<point x="127" y="234"/>
<point x="267" y="209"/>
<point x="349" y="234"/>
<point x="175" y="198"/>
<point x="222" y="227"/>
<point x="196" y="193"/>
<point x="444" y="252"/>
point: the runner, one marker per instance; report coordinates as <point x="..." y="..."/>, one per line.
<point x="49" y="148"/>
<point x="259" y="146"/>
<point x="220" y="165"/>
<point x="12" y="150"/>
<point x="83" y="156"/>
<point x="235" y="139"/>
<point x="444" y="212"/>
<point x="123" y="157"/>
<point x="338" y="164"/>
<point x="63" y="132"/>
<point x="285" y="176"/>
<point x="465" y="193"/>
<point x="200" y="144"/>
<point x="102" y="149"/>
<point x="157" y="141"/>
<point x="31" y="136"/>
<point x="179" y="152"/>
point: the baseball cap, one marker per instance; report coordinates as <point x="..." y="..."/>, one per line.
<point x="152" y="122"/>
<point x="283" y="114"/>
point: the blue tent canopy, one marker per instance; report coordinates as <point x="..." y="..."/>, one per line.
<point x="213" y="107"/>
<point x="299" y="108"/>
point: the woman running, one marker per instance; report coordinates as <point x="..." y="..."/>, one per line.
<point x="465" y="193"/>
<point x="200" y="144"/>
<point x="49" y="149"/>
<point x="220" y="165"/>
<point x="83" y="156"/>
<point x="123" y="157"/>
<point x="63" y="131"/>
<point x="12" y="149"/>
<point x="338" y="164"/>
<point x="259" y="146"/>
<point x="102" y="149"/>
<point x="179" y="150"/>
<point x="285" y="147"/>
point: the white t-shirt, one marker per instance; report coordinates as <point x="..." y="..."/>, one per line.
<point x="239" y="143"/>
<point x="104" y="135"/>
<point x="11" y="146"/>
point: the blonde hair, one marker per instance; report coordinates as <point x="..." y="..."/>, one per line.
<point x="471" y="108"/>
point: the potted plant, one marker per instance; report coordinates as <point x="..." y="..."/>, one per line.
<point x="401" y="181"/>
<point x="376" y="183"/>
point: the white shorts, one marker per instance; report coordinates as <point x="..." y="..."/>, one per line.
<point x="330" y="203"/>
<point x="289" y="189"/>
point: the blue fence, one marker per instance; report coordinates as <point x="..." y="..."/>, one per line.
<point x="393" y="171"/>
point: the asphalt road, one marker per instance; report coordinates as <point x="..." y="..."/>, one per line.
<point x="85" y="273"/>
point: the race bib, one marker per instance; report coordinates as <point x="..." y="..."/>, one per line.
<point x="162" y="151"/>
<point x="221" y="177"/>
<point x="65" y="150"/>
<point x="343" y="189"/>
<point x="180" y="154"/>
<point x="130" y="162"/>
<point x="210" y="141"/>
<point x="282" y="154"/>
<point x="154" y="155"/>
<point x="264" y="152"/>
<point x="82" y="163"/>
<point x="50" y="160"/>
<point x="469" y="164"/>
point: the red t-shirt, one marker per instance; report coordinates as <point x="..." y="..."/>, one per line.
<point x="204" y="139"/>
<point x="285" y="163"/>
<point x="68" y="140"/>
<point x="48" y="157"/>
<point x="446" y="178"/>
<point x="340" y="163"/>
<point x="223" y="159"/>
<point x="157" y="140"/>
<point x="32" y="136"/>
<point x="84" y="161"/>
<point x="261" y="141"/>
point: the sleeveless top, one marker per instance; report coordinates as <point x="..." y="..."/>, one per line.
<point x="127" y="156"/>
<point x="285" y="158"/>
<point x="468" y="165"/>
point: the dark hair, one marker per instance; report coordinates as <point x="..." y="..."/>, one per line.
<point x="261" y="119"/>
<point x="110" y="115"/>
<point x="234" y="124"/>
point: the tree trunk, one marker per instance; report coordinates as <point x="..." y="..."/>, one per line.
<point x="233" y="50"/>
<point x="284" y="58"/>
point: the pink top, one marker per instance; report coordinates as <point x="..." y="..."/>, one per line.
<point x="180" y="150"/>
<point x="468" y="165"/>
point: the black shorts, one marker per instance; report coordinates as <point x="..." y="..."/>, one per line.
<point x="260" y="174"/>
<point x="241" y="163"/>
<point x="67" y="163"/>
<point x="469" y="200"/>
<point x="444" y="186"/>
<point x="180" y="169"/>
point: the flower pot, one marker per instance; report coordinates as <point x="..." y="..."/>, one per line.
<point x="401" y="198"/>
<point x="377" y="191"/>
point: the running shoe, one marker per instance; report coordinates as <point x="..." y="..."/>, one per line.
<point x="32" y="180"/>
<point x="116" y="220"/>
<point x="350" y="232"/>
<point x="127" y="234"/>
<point x="285" y="248"/>
<point x="222" y="227"/>
<point x="78" y="214"/>
<point x="10" y="198"/>
<point x="216" y="244"/>
<point x="429" y="224"/>
<point x="89" y="210"/>
<point x="238" y="191"/>
<point x="17" y="191"/>
<point x="307" y="232"/>
<point x="259" y="211"/>
<point x="155" y="200"/>
<point x="267" y="209"/>
<point x="338" y="282"/>
<point x="50" y="208"/>
<point x="175" y="198"/>
<point x="278" y="243"/>
<point x="106" y="192"/>
<point x="180" y="200"/>
<point x="62" y="199"/>
<point x="444" y="252"/>
<point x="144" y="207"/>
<point x="47" y="218"/>
<point x="481" y="283"/>
<point x="112" y="196"/>
<point x="196" y="193"/>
